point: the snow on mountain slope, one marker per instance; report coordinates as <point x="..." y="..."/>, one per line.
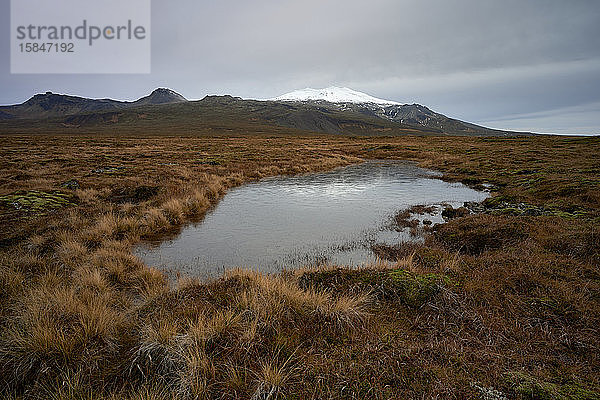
<point x="333" y="94"/>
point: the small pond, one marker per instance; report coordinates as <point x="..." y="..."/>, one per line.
<point x="287" y="222"/>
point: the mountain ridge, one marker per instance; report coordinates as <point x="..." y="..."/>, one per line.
<point x="166" y="110"/>
<point x="49" y="104"/>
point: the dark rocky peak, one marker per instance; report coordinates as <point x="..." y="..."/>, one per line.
<point x="161" y="96"/>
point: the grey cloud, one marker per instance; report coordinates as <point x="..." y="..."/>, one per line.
<point x="478" y="60"/>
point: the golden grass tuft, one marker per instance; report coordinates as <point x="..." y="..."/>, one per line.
<point x="236" y="379"/>
<point x="36" y="242"/>
<point x="98" y="319"/>
<point x="90" y="278"/>
<point x="161" y="332"/>
<point x="273" y="377"/>
<point x="157" y="353"/>
<point x="11" y="284"/>
<point x="154" y="391"/>
<point x="88" y="196"/>
<point x="194" y="379"/>
<point x="174" y="210"/>
<point x="150" y="283"/>
<point x="111" y="226"/>
<point x="72" y="252"/>
<point x="208" y="330"/>
<point x="117" y="263"/>
<point x="154" y="220"/>
<point x="277" y="300"/>
<point x="57" y="329"/>
<point x="196" y="203"/>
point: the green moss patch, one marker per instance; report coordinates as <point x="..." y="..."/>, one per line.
<point x="506" y="205"/>
<point x="210" y="160"/>
<point x="36" y="202"/>
<point x="110" y="170"/>
<point x="413" y="290"/>
<point x="530" y="387"/>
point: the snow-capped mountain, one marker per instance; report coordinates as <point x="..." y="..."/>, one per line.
<point x="333" y="94"/>
<point x="351" y="102"/>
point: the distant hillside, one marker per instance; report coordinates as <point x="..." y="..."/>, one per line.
<point x="165" y="111"/>
<point x="51" y="105"/>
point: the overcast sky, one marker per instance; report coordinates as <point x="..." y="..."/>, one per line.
<point x="513" y="64"/>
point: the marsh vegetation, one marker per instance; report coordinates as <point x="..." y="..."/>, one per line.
<point x="492" y="302"/>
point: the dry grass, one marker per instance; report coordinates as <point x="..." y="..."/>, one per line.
<point x="230" y="336"/>
<point x="490" y="301"/>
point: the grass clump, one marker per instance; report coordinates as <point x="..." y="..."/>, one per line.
<point x="479" y="233"/>
<point x="57" y="329"/>
<point x="242" y="334"/>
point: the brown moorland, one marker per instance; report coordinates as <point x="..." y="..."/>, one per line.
<point x="504" y="303"/>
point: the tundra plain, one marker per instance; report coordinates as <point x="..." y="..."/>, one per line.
<point x="503" y="301"/>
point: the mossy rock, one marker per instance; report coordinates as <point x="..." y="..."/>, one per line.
<point x="569" y="213"/>
<point x="497" y="201"/>
<point x="500" y="205"/>
<point x="450" y="213"/>
<point x="414" y="289"/>
<point x="507" y="211"/>
<point x="36" y="202"/>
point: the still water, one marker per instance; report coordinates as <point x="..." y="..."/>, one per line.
<point x="286" y="222"/>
